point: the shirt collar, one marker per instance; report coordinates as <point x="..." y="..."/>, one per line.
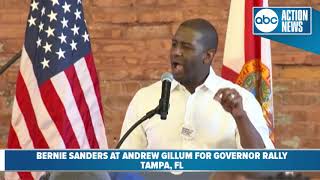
<point x="208" y="83"/>
<point x="175" y="84"/>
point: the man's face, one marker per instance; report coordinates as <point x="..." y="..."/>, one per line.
<point x="186" y="55"/>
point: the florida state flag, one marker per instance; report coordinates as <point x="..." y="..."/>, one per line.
<point x="247" y="58"/>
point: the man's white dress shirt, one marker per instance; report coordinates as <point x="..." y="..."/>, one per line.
<point x="194" y="121"/>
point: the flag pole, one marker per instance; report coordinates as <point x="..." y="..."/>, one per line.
<point x="10" y="62"/>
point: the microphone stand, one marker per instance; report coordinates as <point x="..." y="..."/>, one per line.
<point x="10" y="62"/>
<point x="149" y="115"/>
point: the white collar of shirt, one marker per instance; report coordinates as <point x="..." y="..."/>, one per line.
<point x="209" y="83"/>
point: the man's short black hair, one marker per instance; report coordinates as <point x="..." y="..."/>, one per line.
<point x="210" y="36"/>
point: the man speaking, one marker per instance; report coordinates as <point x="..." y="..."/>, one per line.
<point x="206" y="111"/>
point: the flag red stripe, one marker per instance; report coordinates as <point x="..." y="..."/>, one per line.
<point x="252" y="44"/>
<point x="58" y="114"/>
<point x="25" y="175"/>
<point x="229" y="74"/>
<point x="13" y="141"/>
<point x="82" y="106"/>
<point x="94" y="78"/>
<point x="24" y="102"/>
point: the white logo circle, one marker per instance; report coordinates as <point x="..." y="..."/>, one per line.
<point x="266" y="20"/>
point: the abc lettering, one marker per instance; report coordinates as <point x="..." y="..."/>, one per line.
<point x="266" y="20"/>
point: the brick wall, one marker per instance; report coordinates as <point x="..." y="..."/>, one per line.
<point x="131" y="42"/>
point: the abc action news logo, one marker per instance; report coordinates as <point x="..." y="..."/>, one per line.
<point x="282" y="21"/>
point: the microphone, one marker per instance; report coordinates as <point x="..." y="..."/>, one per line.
<point x="166" y="79"/>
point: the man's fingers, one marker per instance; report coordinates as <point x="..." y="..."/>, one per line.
<point x="236" y="101"/>
<point x="219" y="94"/>
<point x="227" y="97"/>
<point x="230" y="99"/>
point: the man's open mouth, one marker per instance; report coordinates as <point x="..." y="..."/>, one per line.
<point x="177" y="67"/>
<point x="176" y="64"/>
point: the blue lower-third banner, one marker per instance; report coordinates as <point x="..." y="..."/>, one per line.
<point x="161" y="160"/>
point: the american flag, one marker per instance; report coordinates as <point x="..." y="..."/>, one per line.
<point x="57" y="103"/>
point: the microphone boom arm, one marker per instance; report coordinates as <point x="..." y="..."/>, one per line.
<point x="10" y="62"/>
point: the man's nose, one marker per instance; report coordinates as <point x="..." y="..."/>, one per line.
<point x="176" y="51"/>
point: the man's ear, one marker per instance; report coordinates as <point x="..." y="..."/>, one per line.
<point x="209" y="55"/>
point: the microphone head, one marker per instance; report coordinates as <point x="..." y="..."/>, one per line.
<point x="167" y="77"/>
